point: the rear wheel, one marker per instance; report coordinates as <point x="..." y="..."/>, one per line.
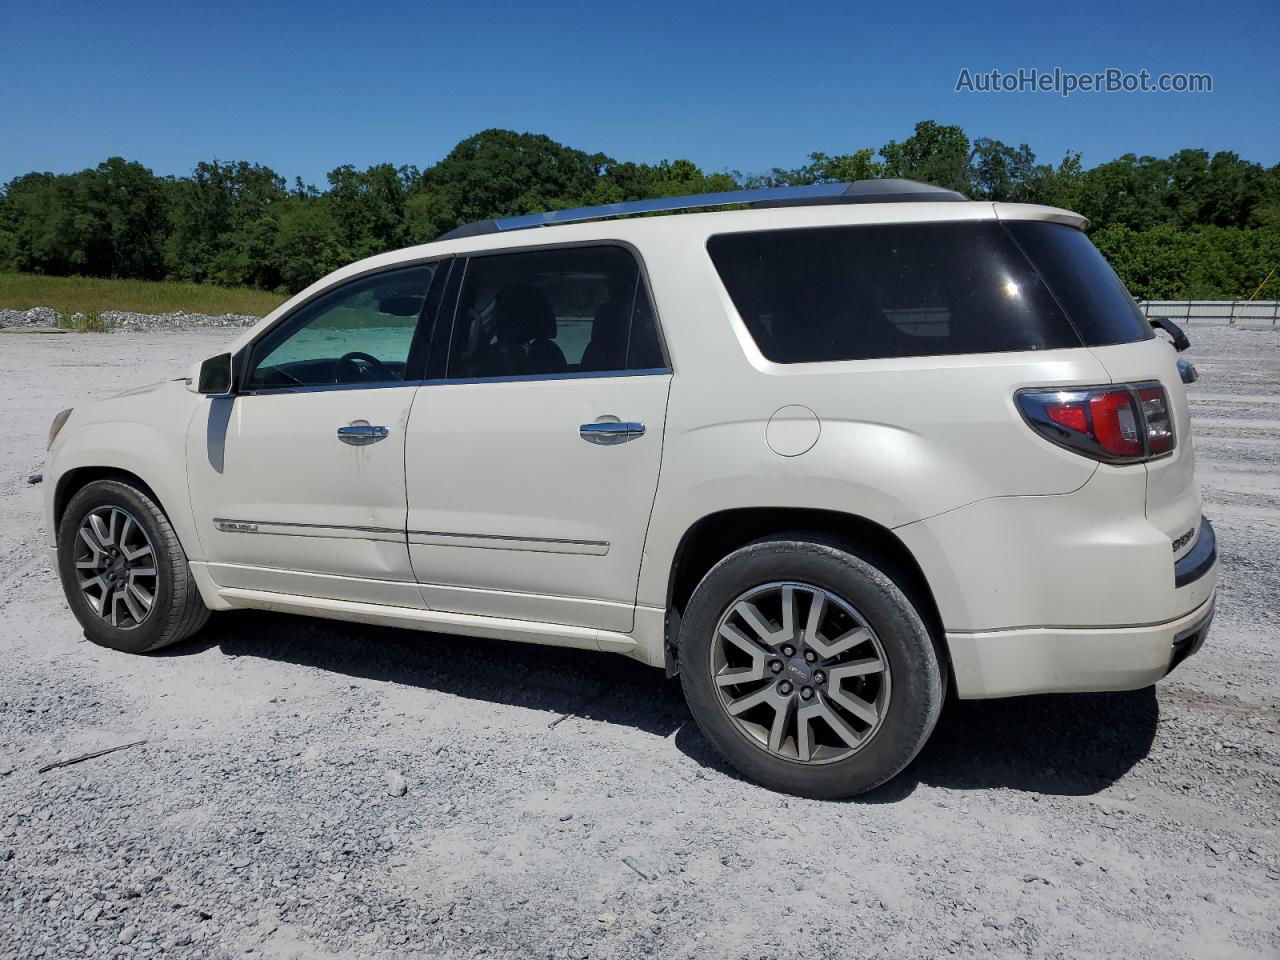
<point x="809" y="668"/>
<point x="123" y="570"/>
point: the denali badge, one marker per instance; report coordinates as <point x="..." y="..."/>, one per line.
<point x="235" y="526"/>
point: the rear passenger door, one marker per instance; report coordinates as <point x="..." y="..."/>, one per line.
<point x="532" y="454"/>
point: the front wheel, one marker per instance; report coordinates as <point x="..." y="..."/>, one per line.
<point x="123" y="570"/>
<point x="809" y="668"/>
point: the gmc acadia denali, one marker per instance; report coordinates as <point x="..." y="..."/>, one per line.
<point x="823" y="456"/>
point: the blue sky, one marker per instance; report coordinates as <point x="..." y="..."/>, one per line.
<point x="304" y="87"/>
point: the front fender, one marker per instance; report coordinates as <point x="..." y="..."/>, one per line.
<point x="153" y="450"/>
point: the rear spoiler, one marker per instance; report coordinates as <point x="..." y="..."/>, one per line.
<point x="1034" y="211"/>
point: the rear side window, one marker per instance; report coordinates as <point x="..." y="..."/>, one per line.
<point x="893" y="290"/>
<point x="1094" y="297"/>
<point x="572" y="310"/>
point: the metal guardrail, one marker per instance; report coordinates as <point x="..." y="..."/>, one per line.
<point x="1237" y="313"/>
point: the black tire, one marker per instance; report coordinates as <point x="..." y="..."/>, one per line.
<point x="177" y="610"/>
<point x="918" y="687"/>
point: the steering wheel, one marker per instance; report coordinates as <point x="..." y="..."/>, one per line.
<point x="361" y="364"/>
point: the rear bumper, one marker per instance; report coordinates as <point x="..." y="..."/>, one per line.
<point x="1007" y="663"/>
<point x="1199" y="560"/>
<point x="1091" y="559"/>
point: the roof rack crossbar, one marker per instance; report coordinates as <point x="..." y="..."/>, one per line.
<point x="859" y="191"/>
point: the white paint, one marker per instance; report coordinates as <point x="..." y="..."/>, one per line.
<point x="1006" y="527"/>
<point x="792" y="430"/>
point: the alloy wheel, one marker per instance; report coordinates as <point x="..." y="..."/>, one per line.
<point x="800" y="672"/>
<point x="115" y="567"/>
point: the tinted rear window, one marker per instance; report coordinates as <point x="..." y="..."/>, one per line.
<point x="894" y="290"/>
<point x="1094" y="297"/>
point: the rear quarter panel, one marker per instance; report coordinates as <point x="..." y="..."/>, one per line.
<point x="1173" y="497"/>
<point x="900" y="440"/>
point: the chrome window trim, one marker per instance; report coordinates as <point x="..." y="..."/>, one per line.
<point x="530" y="377"/>
<point x="329" y="387"/>
<point x="444" y="381"/>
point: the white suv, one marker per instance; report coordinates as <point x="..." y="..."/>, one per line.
<point x="823" y="457"/>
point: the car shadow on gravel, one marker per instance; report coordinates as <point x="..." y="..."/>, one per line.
<point x="562" y="682"/>
<point x="1058" y="744"/>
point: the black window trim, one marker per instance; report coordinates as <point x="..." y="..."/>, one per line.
<point x="243" y="359"/>
<point x="461" y="271"/>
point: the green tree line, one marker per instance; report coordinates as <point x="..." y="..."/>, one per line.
<point x="1189" y="225"/>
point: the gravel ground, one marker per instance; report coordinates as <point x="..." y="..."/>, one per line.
<point x="311" y="789"/>
<point x="125" y="320"/>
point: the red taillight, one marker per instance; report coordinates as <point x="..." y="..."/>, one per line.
<point x="1073" y="416"/>
<point x="1120" y="423"/>
<point x="1115" y="422"/>
<point x="1155" y="411"/>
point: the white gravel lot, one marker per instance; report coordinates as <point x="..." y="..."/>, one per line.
<point x="562" y="804"/>
<point x="128" y="320"/>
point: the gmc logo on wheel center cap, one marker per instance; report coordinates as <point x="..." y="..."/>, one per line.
<point x="799" y="670"/>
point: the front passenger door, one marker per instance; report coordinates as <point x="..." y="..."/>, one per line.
<point x="297" y="482"/>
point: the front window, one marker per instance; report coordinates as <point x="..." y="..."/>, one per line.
<point x="361" y="332"/>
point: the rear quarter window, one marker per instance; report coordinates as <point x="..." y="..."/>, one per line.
<point x="1095" y="299"/>
<point x="892" y="290"/>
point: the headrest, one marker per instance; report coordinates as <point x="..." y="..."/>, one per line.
<point x="521" y="313"/>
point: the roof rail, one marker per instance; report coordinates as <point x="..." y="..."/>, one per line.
<point x="890" y="190"/>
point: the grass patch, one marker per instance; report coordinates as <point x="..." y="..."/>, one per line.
<point x="90" y="295"/>
<point x="90" y="321"/>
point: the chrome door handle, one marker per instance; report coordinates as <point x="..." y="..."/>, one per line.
<point x="610" y="432"/>
<point x="362" y="434"/>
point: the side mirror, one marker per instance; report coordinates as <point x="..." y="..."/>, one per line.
<point x="215" y="378"/>
<point x="400" y="305"/>
<point x="1180" y="341"/>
